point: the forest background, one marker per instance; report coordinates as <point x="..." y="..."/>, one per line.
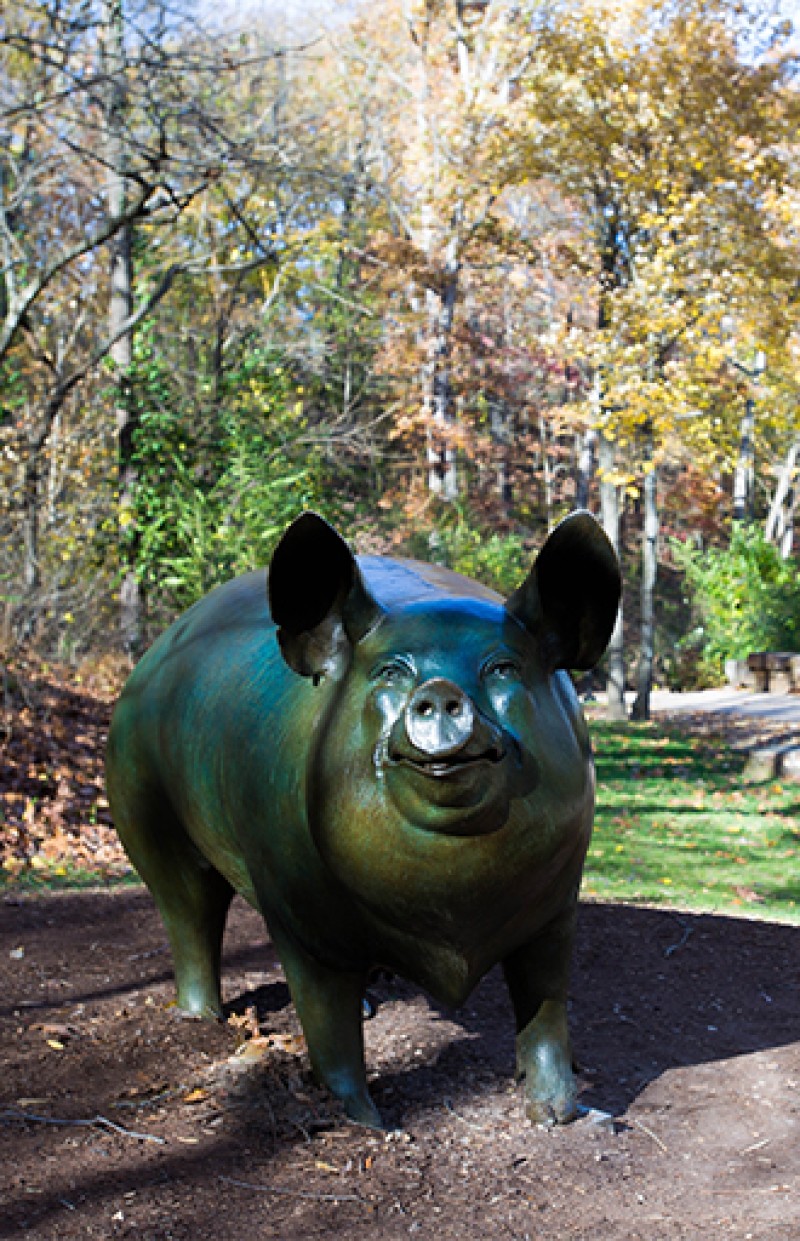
<point x="442" y="270"/>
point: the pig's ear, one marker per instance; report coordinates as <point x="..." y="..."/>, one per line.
<point x="317" y="597"/>
<point x="569" y="599"/>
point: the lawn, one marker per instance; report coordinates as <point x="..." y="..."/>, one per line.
<point x="676" y="824"/>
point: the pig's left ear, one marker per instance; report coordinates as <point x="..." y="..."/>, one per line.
<point x="569" y="599"/>
<point x="317" y="597"/>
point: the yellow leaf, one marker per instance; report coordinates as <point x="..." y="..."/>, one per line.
<point x="54" y="1043"/>
<point x="195" y="1096"/>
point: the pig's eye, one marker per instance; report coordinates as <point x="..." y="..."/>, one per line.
<point x="501" y="668"/>
<point x="394" y="672"/>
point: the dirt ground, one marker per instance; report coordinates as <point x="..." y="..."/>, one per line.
<point x="118" y="1119"/>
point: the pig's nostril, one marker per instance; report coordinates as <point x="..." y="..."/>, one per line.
<point x="426" y="708"/>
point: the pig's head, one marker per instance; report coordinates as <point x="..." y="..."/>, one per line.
<point x="451" y="750"/>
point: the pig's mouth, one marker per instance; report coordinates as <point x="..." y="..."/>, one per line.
<point x="463" y="792"/>
<point x="438" y="768"/>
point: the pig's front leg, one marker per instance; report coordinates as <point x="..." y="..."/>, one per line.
<point x="537" y="975"/>
<point x="329" y="1005"/>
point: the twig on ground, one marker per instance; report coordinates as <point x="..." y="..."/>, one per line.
<point x="757" y="1146"/>
<point x="650" y="1134"/>
<point x="152" y="1100"/>
<point x="291" y="1193"/>
<point x="469" y="1123"/>
<point x="96" y="1122"/>
<point x="676" y="947"/>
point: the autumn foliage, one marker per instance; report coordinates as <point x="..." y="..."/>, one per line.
<point x="440" y="270"/>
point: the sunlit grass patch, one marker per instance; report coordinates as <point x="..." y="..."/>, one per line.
<point x="676" y="824"/>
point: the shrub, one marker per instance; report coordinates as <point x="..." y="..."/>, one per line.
<point x="746" y="596"/>
<point x="460" y="542"/>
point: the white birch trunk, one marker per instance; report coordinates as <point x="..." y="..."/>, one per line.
<point x="644" y="671"/>
<point x="610" y="510"/>
<point x="120" y="310"/>
<point x="780" y="521"/>
<point x="744" y="475"/>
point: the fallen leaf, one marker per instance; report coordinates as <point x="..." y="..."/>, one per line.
<point x="195" y="1096"/>
<point x="253" y="1049"/>
<point x="293" y="1044"/>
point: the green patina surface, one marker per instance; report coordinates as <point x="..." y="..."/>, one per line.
<point x="391" y="765"/>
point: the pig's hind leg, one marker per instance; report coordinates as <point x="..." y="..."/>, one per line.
<point x="192" y="897"/>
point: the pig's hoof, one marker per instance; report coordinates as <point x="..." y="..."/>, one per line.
<point x="550" y="1112"/>
<point x="363" y="1111"/>
<point x="196" y="1011"/>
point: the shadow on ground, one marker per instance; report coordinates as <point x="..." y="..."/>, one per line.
<point x="86" y="1032"/>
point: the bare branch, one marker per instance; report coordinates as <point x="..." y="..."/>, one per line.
<point x="27" y="296"/>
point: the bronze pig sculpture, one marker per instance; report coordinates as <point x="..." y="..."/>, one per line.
<point x="391" y="765"/>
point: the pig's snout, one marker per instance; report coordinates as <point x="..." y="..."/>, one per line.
<point x="439" y="719"/>
<point x="442" y="736"/>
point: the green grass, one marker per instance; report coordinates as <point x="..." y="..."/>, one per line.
<point x="676" y="825"/>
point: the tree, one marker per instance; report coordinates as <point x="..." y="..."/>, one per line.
<point x="120" y="301"/>
<point x="618" y="111"/>
<point x="95" y="97"/>
<point x="445" y="68"/>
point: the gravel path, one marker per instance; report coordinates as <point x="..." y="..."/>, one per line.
<point x="777" y="708"/>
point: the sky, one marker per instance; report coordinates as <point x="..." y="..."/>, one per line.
<point x="308" y="16"/>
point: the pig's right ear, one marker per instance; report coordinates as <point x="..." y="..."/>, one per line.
<point x="318" y="598"/>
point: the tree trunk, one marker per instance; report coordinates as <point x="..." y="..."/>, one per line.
<point x="587" y="460"/>
<point x="442" y="467"/>
<point x="613" y="275"/>
<point x="611" y="519"/>
<point x="32" y="496"/>
<point x="644" y="672"/>
<point x="547" y="471"/>
<point x="503" y="439"/>
<point x="780" y="522"/>
<point x="119" y="313"/>
<point x="31" y="571"/>
<point x="744" y="476"/>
